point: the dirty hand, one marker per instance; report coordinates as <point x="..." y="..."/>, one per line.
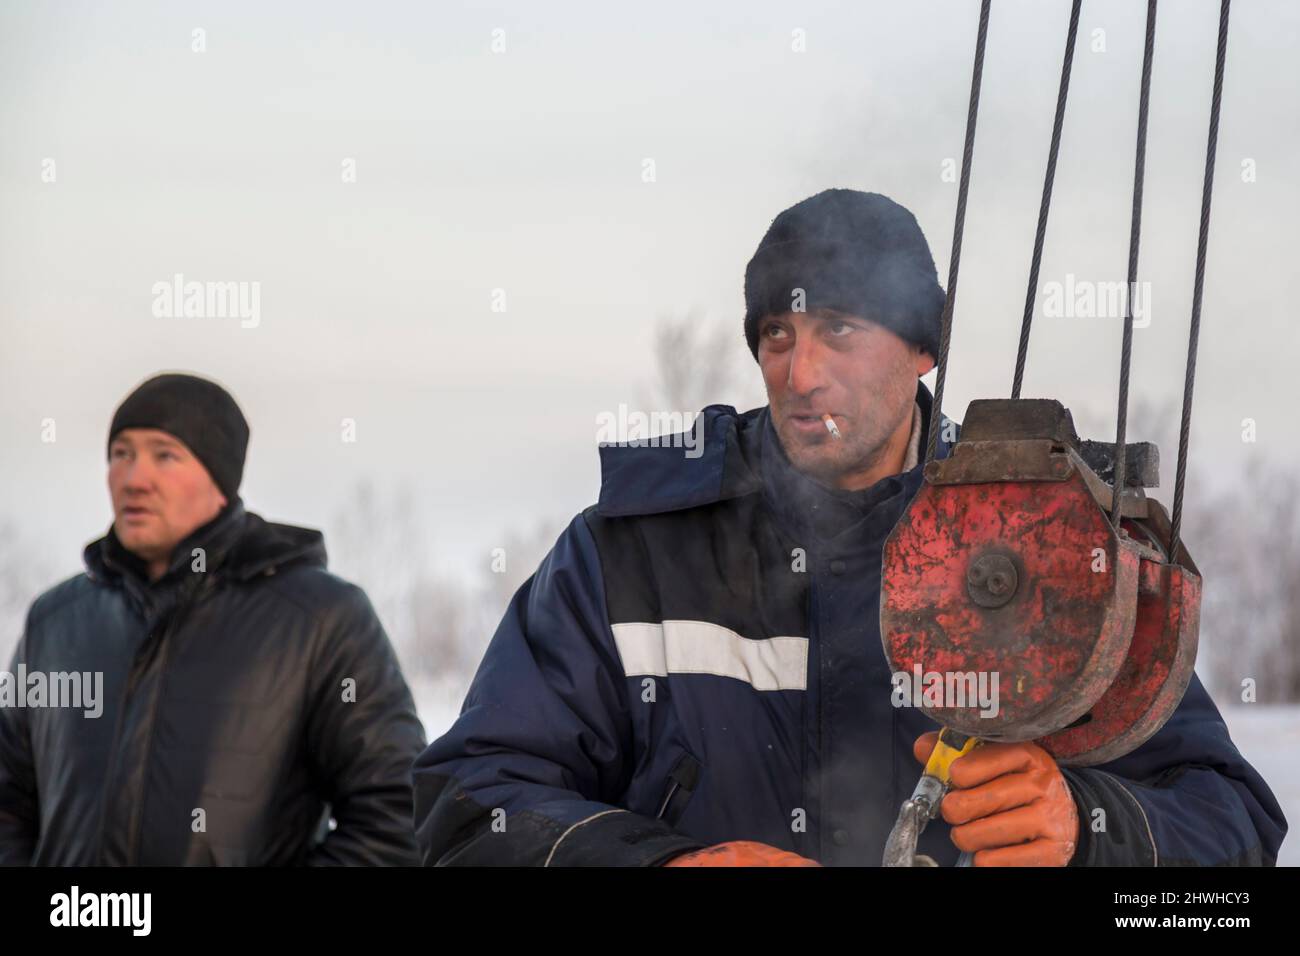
<point x="741" y="853"/>
<point x="1009" y="805"/>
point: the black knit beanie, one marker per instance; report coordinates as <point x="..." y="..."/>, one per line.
<point x="198" y="412"/>
<point x="859" y="253"/>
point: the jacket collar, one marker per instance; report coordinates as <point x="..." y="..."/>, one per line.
<point x="817" y="512"/>
<point x="639" y="478"/>
<point x="236" y="544"/>
<point x="674" y="472"/>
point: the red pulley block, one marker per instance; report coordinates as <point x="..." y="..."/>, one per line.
<point x="1005" y="573"/>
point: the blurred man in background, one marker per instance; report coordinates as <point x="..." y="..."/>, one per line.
<point x="252" y="709"/>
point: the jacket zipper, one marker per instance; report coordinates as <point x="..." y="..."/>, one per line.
<point x="822" y="759"/>
<point x="115" y="760"/>
<point x="133" y="679"/>
<point x="106" y="798"/>
<point x="663" y="807"/>
<point x="178" y="618"/>
<point x="133" y="842"/>
<point x="685" y="777"/>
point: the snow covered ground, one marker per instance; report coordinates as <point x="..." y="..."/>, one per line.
<point x="1269" y="737"/>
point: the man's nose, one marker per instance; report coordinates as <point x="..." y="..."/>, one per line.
<point x="137" y="476"/>
<point x="806" y="367"/>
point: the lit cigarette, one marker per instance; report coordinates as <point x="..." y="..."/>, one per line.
<point x="831" y="426"/>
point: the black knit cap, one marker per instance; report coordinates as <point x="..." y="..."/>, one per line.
<point x="198" y="412"/>
<point x="859" y="253"/>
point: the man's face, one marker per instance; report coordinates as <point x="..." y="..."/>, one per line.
<point x="860" y="372"/>
<point x="161" y="493"/>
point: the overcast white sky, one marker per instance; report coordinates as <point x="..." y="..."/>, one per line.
<point x="522" y="170"/>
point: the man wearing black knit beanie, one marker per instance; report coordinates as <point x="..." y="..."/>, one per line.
<point x="695" y="677"/>
<point x="842" y="313"/>
<point x="248" y="697"/>
<point x="199" y="437"/>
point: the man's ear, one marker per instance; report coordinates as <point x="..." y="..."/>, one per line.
<point x="924" y="361"/>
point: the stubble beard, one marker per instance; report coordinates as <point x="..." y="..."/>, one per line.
<point x="829" y="459"/>
<point x="862" y="444"/>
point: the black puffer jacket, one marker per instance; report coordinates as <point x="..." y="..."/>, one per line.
<point x="225" y="691"/>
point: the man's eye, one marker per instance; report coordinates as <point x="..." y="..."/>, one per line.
<point x="774" y="332"/>
<point x="168" y="455"/>
<point x="841" y="328"/>
<point x="119" y="453"/>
